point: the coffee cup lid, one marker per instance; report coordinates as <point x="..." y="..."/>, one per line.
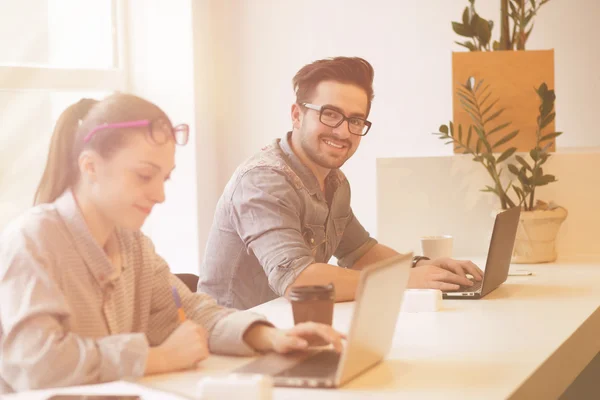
<point x="312" y="292"/>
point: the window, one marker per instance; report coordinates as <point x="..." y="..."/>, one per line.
<point x="54" y="53"/>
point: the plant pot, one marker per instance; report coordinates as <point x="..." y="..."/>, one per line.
<point x="536" y="236"/>
<point x="512" y="77"/>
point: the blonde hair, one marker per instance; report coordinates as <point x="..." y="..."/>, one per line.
<point x="62" y="171"/>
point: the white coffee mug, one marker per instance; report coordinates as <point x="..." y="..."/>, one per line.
<point x="436" y="246"/>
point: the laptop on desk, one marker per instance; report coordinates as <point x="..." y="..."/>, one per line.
<point x="498" y="258"/>
<point x="378" y="300"/>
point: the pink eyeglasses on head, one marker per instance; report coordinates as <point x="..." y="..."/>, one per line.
<point x="156" y="130"/>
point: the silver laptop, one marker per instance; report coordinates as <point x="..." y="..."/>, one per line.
<point x="498" y="258"/>
<point x="378" y="300"/>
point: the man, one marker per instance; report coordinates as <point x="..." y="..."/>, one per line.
<point x="286" y="211"/>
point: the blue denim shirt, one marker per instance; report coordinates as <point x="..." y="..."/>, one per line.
<point x="271" y="223"/>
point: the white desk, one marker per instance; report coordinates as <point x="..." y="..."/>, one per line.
<point x="528" y="339"/>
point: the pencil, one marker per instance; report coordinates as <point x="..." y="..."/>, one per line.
<point x="177" y="300"/>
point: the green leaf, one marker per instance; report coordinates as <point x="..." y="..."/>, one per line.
<point x="484" y="31"/>
<point x="542" y="90"/>
<point x="477" y="158"/>
<point x="547" y="120"/>
<point x="465" y="16"/>
<point x="499" y="128"/>
<point x="489" y="189"/>
<point x="505" y="139"/>
<point x="550" y="96"/>
<point x="450" y="141"/>
<point x="494" y="115"/>
<point x="513" y="168"/>
<point x="470" y="110"/>
<point x="482" y="102"/>
<point x="463" y="30"/>
<point x="524" y="163"/>
<point x="469" y="135"/>
<point x="490" y="157"/>
<point x="487" y="146"/>
<point x="474" y="118"/>
<point x="468" y="45"/>
<point x="528" y="19"/>
<point x="444" y="129"/>
<point x="507" y="153"/>
<point x="479" y="132"/>
<point x="547" y="146"/>
<point x="451" y="128"/>
<point x="489" y="107"/>
<point x="467" y="92"/>
<point x="529" y="32"/>
<point x="466" y="98"/>
<point x="478" y="147"/>
<point x="550" y="136"/>
<point x="474" y="21"/>
<point x="484" y="91"/>
<point x="535" y="155"/>
<point x="478" y="86"/>
<point x="460" y="133"/>
<point x="520" y="194"/>
<point x="513" y="9"/>
<point x="544" y="180"/>
<point x="546" y="108"/>
<point x="523" y="178"/>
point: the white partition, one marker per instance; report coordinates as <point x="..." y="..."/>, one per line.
<point x="441" y="195"/>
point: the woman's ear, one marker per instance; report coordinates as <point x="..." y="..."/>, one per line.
<point x="88" y="166"/>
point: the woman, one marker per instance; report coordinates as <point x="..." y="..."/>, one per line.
<point x="84" y="297"/>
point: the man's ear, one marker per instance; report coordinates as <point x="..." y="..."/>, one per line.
<point x="297" y="116"/>
<point x="88" y="166"/>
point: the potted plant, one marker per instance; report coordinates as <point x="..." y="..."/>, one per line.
<point x="506" y="63"/>
<point x="539" y="222"/>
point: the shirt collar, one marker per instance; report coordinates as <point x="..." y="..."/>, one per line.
<point x="333" y="179"/>
<point x="93" y="255"/>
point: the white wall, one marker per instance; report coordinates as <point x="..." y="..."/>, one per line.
<point x="262" y="43"/>
<point x="452" y="203"/>
<point x="160" y="52"/>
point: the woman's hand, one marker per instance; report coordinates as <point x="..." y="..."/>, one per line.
<point x="184" y="348"/>
<point x="300" y="337"/>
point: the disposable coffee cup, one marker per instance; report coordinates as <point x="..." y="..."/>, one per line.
<point x="436" y="246"/>
<point x="313" y="303"/>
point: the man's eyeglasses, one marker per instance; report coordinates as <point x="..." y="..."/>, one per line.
<point x="158" y="130"/>
<point x="333" y="118"/>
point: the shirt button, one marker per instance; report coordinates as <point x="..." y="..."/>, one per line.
<point x="312" y="240"/>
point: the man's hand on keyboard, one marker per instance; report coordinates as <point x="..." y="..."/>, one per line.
<point x="445" y="274"/>
<point x="459" y="267"/>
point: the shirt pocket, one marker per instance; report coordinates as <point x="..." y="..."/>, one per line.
<point x="340" y="225"/>
<point x="314" y="236"/>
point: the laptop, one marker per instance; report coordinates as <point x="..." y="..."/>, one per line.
<point x="378" y="300"/>
<point x="498" y="258"/>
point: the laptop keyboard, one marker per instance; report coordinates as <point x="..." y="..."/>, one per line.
<point x="321" y="365"/>
<point x="475" y="288"/>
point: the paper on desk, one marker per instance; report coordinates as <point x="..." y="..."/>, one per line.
<point x="119" y="387"/>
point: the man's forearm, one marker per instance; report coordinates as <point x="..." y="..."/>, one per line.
<point x="345" y="280"/>
<point x="376" y="253"/>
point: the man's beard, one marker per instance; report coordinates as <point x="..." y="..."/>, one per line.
<point x="311" y="149"/>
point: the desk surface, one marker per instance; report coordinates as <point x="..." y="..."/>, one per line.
<point x="529" y="338"/>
